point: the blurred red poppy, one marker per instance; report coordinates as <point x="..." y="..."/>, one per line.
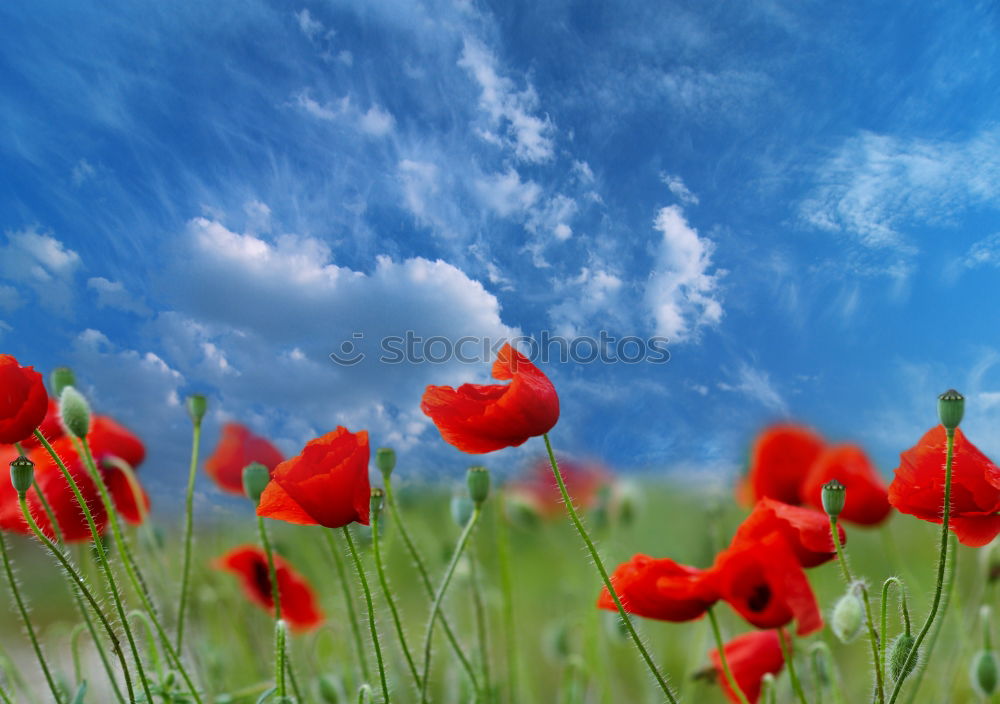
<point x="23" y="400"/>
<point x="298" y="601"/>
<point x="326" y="484"/>
<point x="918" y="488"/>
<point x="660" y="589"/>
<point x="867" y="499"/>
<point x="781" y="457"/>
<point x="805" y="530"/>
<point x="764" y="582"/>
<point x="237" y="448"/>
<point x="51" y="427"/>
<point x="108" y="440"/>
<point x="750" y="657"/>
<point x="480" y="418"/>
<point x="583" y="481"/>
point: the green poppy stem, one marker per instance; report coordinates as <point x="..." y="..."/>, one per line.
<point x="941" y="571"/>
<point x="595" y="556"/>
<point x="507" y="596"/>
<point x="372" y="627"/>
<point x="789" y="655"/>
<point x="449" y="572"/>
<point x="338" y="561"/>
<point x="884" y="615"/>
<point x="721" y="649"/>
<point x="272" y="573"/>
<point x="280" y="632"/>
<point x="188" y="533"/>
<point x="479" y="609"/>
<point x="425" y="580"/>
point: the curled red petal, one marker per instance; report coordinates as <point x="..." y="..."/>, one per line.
<point x="806" y="531"/>
<point x="867" y="498"/>
<point x="750" y="656"/>
<point x="659" y="589"/>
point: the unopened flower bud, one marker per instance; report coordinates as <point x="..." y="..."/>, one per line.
<point x="255" y="479"/>
<point x="985" y="673"/>
<point x="899" y="653"/>
<point x="196" y="407"/>
<point x="951" y="408"/>
<point x="375" y="502"/>
<point x="478" y="479"/>
<point x="848" y="616"/>
<point x="60" y="378"/>
<point x="385" y="460"/>
<point x="461" y="509"/>
<point x="22" y="474"/>
<point x="74" y="411"/>
<point x="834" y="495"/>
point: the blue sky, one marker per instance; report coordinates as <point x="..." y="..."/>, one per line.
<point x="803" y="196"/>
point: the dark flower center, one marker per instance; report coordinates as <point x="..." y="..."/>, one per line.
<point x="262" y="580"/>
<point x="759" y="598"/>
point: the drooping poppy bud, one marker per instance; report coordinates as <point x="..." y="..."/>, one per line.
<point x="834" y="495"/>
<point x="75" y="412"/>
<point x="848" y="616"/>
<point x="22" y="474"/>
<point x="385" y="460"/>
<point x="60" y="378"/>
<point x="985" y="673"/>
<point x="951" y="408"/>
<point x="255" y="479"/>
<point x="478" y="479"/>
<point x="899" y="652"/>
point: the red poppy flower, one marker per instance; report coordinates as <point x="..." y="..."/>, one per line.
<point x="763" y="581"/>
<point x="23" y="400"/>
<point x="583" y="481"/>
<point x="750" y="657"/>
<point x="806" y="531"/>
<point x="781" y="457"/>
<point x="867" y="499"/>
<point x="327" y="484"/>
<point x="298" y="601"/>
<point x="237" y="448"/>
<point x="918" y="488"/>
<point x="659" y="589"/>
<point x="480" y="418"/>
<point x="51" y="427"/>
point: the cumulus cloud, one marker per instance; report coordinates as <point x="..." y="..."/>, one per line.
<point x="682" y="293"/>
<point x="43" y="264"/>
<point x="112" y="294"/>
<point x="594" y="294"/>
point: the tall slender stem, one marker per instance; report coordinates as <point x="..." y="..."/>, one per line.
<point x="425" y="579"/>
<point x="507" y="594"/>
<point x="23" y="610"/>
<point x="721" y="649"/>
<point x="595" y="556"/>
<point x="372" y="627"/>
<point x="188" y="533"/>
<point x="338" y="561"/>
<point x="789" y="655"/>
<point x="481" y="625"/>
<point x="272" y="573"/>
<point x="463" y="539"/>
<point x="942" y="568"/>
<point x="280" y="633"/>
<point x="884" y="615"/>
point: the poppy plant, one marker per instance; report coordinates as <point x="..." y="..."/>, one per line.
<point x="23" y="400"/>
<point x="781" y="457"/>
<point x="659" y="589"/>
<point x="750" y="656"/>
<point x="480" y="418"/>
<point x="805" y="530"/>
<point x="51" y="427"/>
<point x="326" y="484"/>
<point x="298" y="600"/>
<point x="918" y="487"/>
<point x="237" y="448"/>
<point x="866" y="499"/>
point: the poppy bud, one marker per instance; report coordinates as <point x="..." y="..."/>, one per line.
<point x="331" y="690"/>
<point x="848" y="616"/>
<point x="197" y="405"/>
<point x="834" y="495"/>
<point x="899" y="651"/>
<point x="461" y="509"/>
<point x="478" y="479"/>
<point x="74" y="411"/>
<point x="255" y="479"/>
<point x="385" y="460"/>
<point x="951" y="408"/>
<point x="22" y="473"/>
<point x="375" y="502"/>
<point x="60" y="378"/>
<point x="985" y="673"/>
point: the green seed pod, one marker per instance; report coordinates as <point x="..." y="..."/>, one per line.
<point x="385" y="460"/>
<point x="255" y="479"/>
<point x="461" y="509"/>
<point x="834" y="495"/>
<point x="478" y="479"/>
<point x="985" y="673"/>
<point x="848" y="617"/>
<point x="75" y="412"/>
<point x="196" y="406"/>
<point x="899" y="651"/>
<point x="61" y="378"/>
<point x="951" y="408"/>
<point x="22" y="474"/>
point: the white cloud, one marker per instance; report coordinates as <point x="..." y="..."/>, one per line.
<point x="506" y="194"/>
<point x="757" y="385"/>
<point x="593" y="295"/>
<point x="985" y="252"/>
<point x="376" y="121"/>
<point x="679" y="189"/>
<point x="310" y="26"/>
<point x="43" y="264"/>
<point x="682" y="293"/>
<point x="530" y="136"/>
<point x="82" y="171"/>
<point x="112" y="294"/>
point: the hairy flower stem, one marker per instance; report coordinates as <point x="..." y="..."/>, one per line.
<point x="595" y="556"/>
<point x="280" y="633"/>
<point x="132" y="566"/>
<point x="789" y="655"/>
<point x="78" y="583"/>
<point x="481" y="625"/>
<point x="23" y="610"/>
<point x="338" y="561"/>
<point x="884" y="615"/>
<point x="507" y="594"/>
<point x="102" y="557"/>
<point x="449" y="572"/>
<point x="721" y="647"/>
<point x="372" y="627"/>
<point x="188" y="533"/>
<point x="425" y="579"/>
<point x="941" y="571"/>
<point x="390" y="599"/>
<point x="272" y="574"/>
<point x="873" y="636"/>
